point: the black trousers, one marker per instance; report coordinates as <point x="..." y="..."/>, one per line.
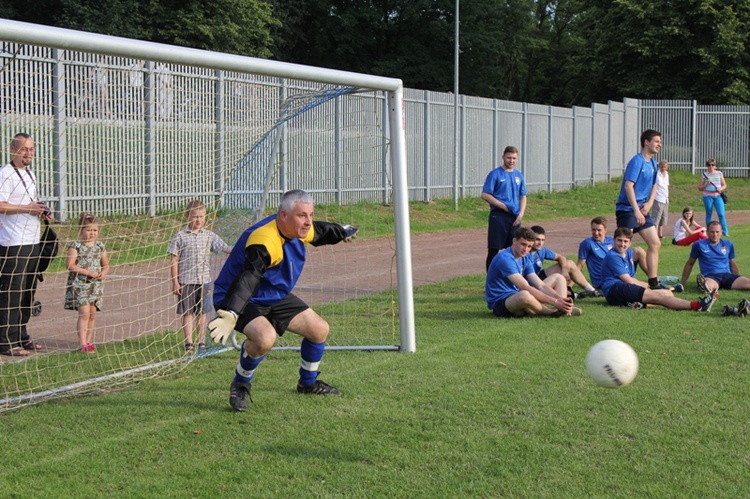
<point x="18" y="279"/>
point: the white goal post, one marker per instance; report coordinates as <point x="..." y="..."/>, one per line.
<point x="132" y="104"/>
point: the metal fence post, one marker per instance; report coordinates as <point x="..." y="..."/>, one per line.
<point x="59" y="144"/>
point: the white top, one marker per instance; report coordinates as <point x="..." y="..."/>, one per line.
<point x="22" y="228"/>
<point x="662" y="187"/>
<point x="679" y="230"/>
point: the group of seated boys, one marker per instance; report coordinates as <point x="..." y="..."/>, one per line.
<point x="518" y="285"/>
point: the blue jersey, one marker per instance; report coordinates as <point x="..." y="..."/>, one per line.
<point x="537" y="258"/>
<point x="643" y="175"/>
<point x="506" y="186"/>
<point x="287" y="260"/>
<point x="498" y="286"/>
<point x="713" y="259"/>
<point x="594" y="252"/>
<point x="616" y="265"/>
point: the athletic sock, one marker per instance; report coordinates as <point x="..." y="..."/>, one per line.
<point x="653" y="281"/>
<point x="695" y="306"/>
<point x="311" y="354"/>
<point x="590" y="288"/>
<point x="245" y="371"/>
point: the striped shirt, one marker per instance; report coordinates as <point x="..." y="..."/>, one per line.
<point x="194" y="250"/>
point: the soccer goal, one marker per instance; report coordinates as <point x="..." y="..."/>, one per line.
<point x="132" y="131"/>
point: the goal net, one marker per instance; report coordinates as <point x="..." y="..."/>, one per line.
<point x="132" y="141"/>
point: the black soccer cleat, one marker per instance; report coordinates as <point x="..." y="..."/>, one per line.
<point x="702" y="284"/>
<point x="318" y="388"/>
<point x="707" y="301"/>
<point x="742" y="307"/>
<point x="239" y="396"/>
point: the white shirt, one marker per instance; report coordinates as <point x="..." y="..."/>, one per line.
<point x="679" y="230"/>
<point x="23" y="228"/>
<point x="662" y="187"/>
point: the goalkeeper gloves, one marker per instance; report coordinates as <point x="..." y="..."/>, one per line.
<point x="222" y="326"/>
<point x="350" y="233"/>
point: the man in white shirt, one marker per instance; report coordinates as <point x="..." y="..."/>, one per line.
<point x="660" y="211"/>
<point x="20" y="217"/>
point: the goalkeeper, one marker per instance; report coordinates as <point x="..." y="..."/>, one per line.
<point x="253" y="293"/>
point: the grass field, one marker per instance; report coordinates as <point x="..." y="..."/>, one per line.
<point x="484" y="408"/>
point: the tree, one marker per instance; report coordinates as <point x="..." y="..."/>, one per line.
<point x="658" y="49"/>
<point x="233" y="26"/>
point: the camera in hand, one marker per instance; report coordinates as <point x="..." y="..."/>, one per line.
<point x="47" y="212"/>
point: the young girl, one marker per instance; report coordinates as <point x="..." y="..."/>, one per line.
<point x="88" y="265"/>
<point x="686" y="231"/>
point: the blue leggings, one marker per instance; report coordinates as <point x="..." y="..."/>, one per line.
<point x="710" y="203"/>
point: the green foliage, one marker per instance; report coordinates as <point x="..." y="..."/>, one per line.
<point x="681" y="49"/>
<point x="563" y="52"/>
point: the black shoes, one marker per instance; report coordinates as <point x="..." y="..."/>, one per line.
<point x="740" y="310"/>
<point x="707" y="301"/>
<point x="239" y="396"/>
<point x="318" y="388"/>
<point x="702" y="283"/>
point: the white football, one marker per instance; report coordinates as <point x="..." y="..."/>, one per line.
<point x="612" y="363"/>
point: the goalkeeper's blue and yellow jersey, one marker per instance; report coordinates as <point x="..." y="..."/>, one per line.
<point x="287" y="261"/>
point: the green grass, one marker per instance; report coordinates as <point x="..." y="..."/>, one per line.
<point x="484" y="408"/>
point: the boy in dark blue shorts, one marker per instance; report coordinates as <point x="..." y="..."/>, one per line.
<point x="621" y="288"/>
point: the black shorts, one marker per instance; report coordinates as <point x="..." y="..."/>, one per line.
<point x="623" y="293"/>
<point x="500" y="310"/>
<point x="500" y="230"/>
<point x="279" y="315"/>
<point x="627" y="219"/>
<point x="725" y="280"/>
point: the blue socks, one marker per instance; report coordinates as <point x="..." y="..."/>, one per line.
<point x="245" y="371"/>
<point x="311" y="353"/>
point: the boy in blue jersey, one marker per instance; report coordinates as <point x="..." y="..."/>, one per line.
<point x="719" y="269"/>
<point x="591" y="252"/>
<point x="505" y="191"/>
<point x="621" y="288"/>
<point x="637" y="194"/>
<point x="513" y="289"/>
<point x="253" y="293"/>
<point x="539" y="253"/>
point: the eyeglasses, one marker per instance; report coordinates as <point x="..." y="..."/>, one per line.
<point x="710" y="164"/>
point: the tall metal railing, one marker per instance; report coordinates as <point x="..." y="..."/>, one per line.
<point x="128" y="99"/>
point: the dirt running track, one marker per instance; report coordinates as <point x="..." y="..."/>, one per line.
<point x="138" y="298"/>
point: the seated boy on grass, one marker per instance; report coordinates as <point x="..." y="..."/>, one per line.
<point x="621" y="288"/>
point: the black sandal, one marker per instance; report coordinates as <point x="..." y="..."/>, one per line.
<point x="16" y="352"/>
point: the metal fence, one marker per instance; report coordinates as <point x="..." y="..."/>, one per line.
<point x="694" y="133"/>
<point x="116" y="135"/>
